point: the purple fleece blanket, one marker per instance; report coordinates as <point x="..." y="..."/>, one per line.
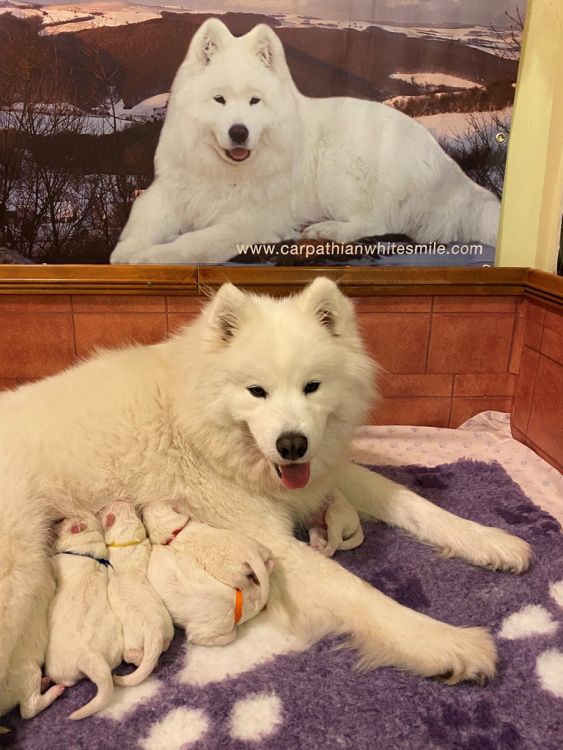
<point x="314" y="699"/>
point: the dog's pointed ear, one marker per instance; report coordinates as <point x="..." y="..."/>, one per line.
<point x="226" y="312"/>
<point x="326" y="302"/>
<point x="211" y="37"/>
<point x="267" y="46"/>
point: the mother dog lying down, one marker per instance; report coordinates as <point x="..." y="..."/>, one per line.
<point x="244" y="420"/>
<point x="245" y="158"/>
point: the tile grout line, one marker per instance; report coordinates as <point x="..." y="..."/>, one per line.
<point x="533" y="388"/>
<point x="73" y="325"/>
<point x="166" y="313"/>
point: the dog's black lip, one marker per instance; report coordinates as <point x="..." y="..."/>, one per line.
<point x="278" y="470"/>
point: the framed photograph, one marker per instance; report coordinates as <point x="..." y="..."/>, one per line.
<point x="312" y="132"/>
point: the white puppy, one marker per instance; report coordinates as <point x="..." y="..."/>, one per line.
<point x="335" y="525"/>
<point x="147" y="626"/>
<point x="85" y="636"/>
<point x="208" y="609"/>
<point x="23" y="681"/>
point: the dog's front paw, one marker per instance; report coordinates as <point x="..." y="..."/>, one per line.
<point x="469" y="654"/>
<point x="123" y="253"/>
<point x="493" y="548"/>
<point x="335" y="231"/>
<point x="126" y="253"/>
<point x="317" y="538"/>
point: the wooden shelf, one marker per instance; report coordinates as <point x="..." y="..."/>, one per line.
<point x="356" y="282"/>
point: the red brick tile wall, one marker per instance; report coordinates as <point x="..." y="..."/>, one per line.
<point x="537" y="412"/>
<point x="444" y="359"/>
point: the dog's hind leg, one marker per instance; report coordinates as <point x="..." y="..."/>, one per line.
<point x="376" y="497"/>
<point x="24" y="565"/>
<point x="315" y="597"/>
<point x="35" y="701"/>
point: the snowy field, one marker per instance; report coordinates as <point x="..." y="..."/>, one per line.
<point x="48" y="119"/>
<point x="71" y="17"/>
<point x="479" y="37"/>
<point x="452" y="125"/>
<point x="434" y="80"/>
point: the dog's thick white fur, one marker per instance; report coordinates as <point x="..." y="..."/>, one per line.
<point x="197" y="601"/>
<point x="176" y="422"/>
<point x="85" y="636"/>
<point x="23" y="680"/>
<point x="337" y="169"/>
<point x="147" y="625"/>
<point x="335" y="525"/>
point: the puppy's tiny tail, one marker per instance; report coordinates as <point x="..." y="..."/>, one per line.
<point x="152" y="650"/>
<point x="96" y="668"/>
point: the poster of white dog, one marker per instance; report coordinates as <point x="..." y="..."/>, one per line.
<point x="294" y="132"/>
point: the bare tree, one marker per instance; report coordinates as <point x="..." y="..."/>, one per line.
<point x="481" y="149"/>
<point x="509" y="41"/>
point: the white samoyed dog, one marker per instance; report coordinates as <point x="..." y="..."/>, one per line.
<point x="244" y="422"/>
<point x="244" y="158"/>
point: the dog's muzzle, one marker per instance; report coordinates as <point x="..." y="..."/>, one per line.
<point x="239" y="136"/>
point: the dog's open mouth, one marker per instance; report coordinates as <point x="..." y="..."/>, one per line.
<point x="238" y="154"/>
<point x="293" y="476"/>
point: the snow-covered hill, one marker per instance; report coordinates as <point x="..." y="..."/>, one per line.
<point x="75" y="16"/>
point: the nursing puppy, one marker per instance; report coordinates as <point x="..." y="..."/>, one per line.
<point x="85" y="636"/>
<point x="207" y="609"/>
<point x="335" y="525"/>
<point x="147" y="626"/>
<point x="232" y="558"/>
<point x="23" y="680"/>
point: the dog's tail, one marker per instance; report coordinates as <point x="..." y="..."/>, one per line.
<point x="152" y="650"/>
<point x="96" y="668"/>
<point x="24" y="566"/>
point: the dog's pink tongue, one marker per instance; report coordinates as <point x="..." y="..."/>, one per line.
<point x="239" y="153"/>
<point x="295" y="476"/>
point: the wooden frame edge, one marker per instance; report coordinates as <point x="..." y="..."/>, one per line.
<point x="99" y="280"/>
<point x="356" y="282"/>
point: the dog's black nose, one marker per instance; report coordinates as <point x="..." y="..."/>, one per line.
<point x="292" y="446"/>
<point x="238" y="133"/>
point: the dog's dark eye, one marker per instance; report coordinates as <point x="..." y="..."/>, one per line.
<point x="220" y="99"/>
<point x="255" y="100"/>
<point x="311" y="387"/>
<point x="257" y="391"/>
